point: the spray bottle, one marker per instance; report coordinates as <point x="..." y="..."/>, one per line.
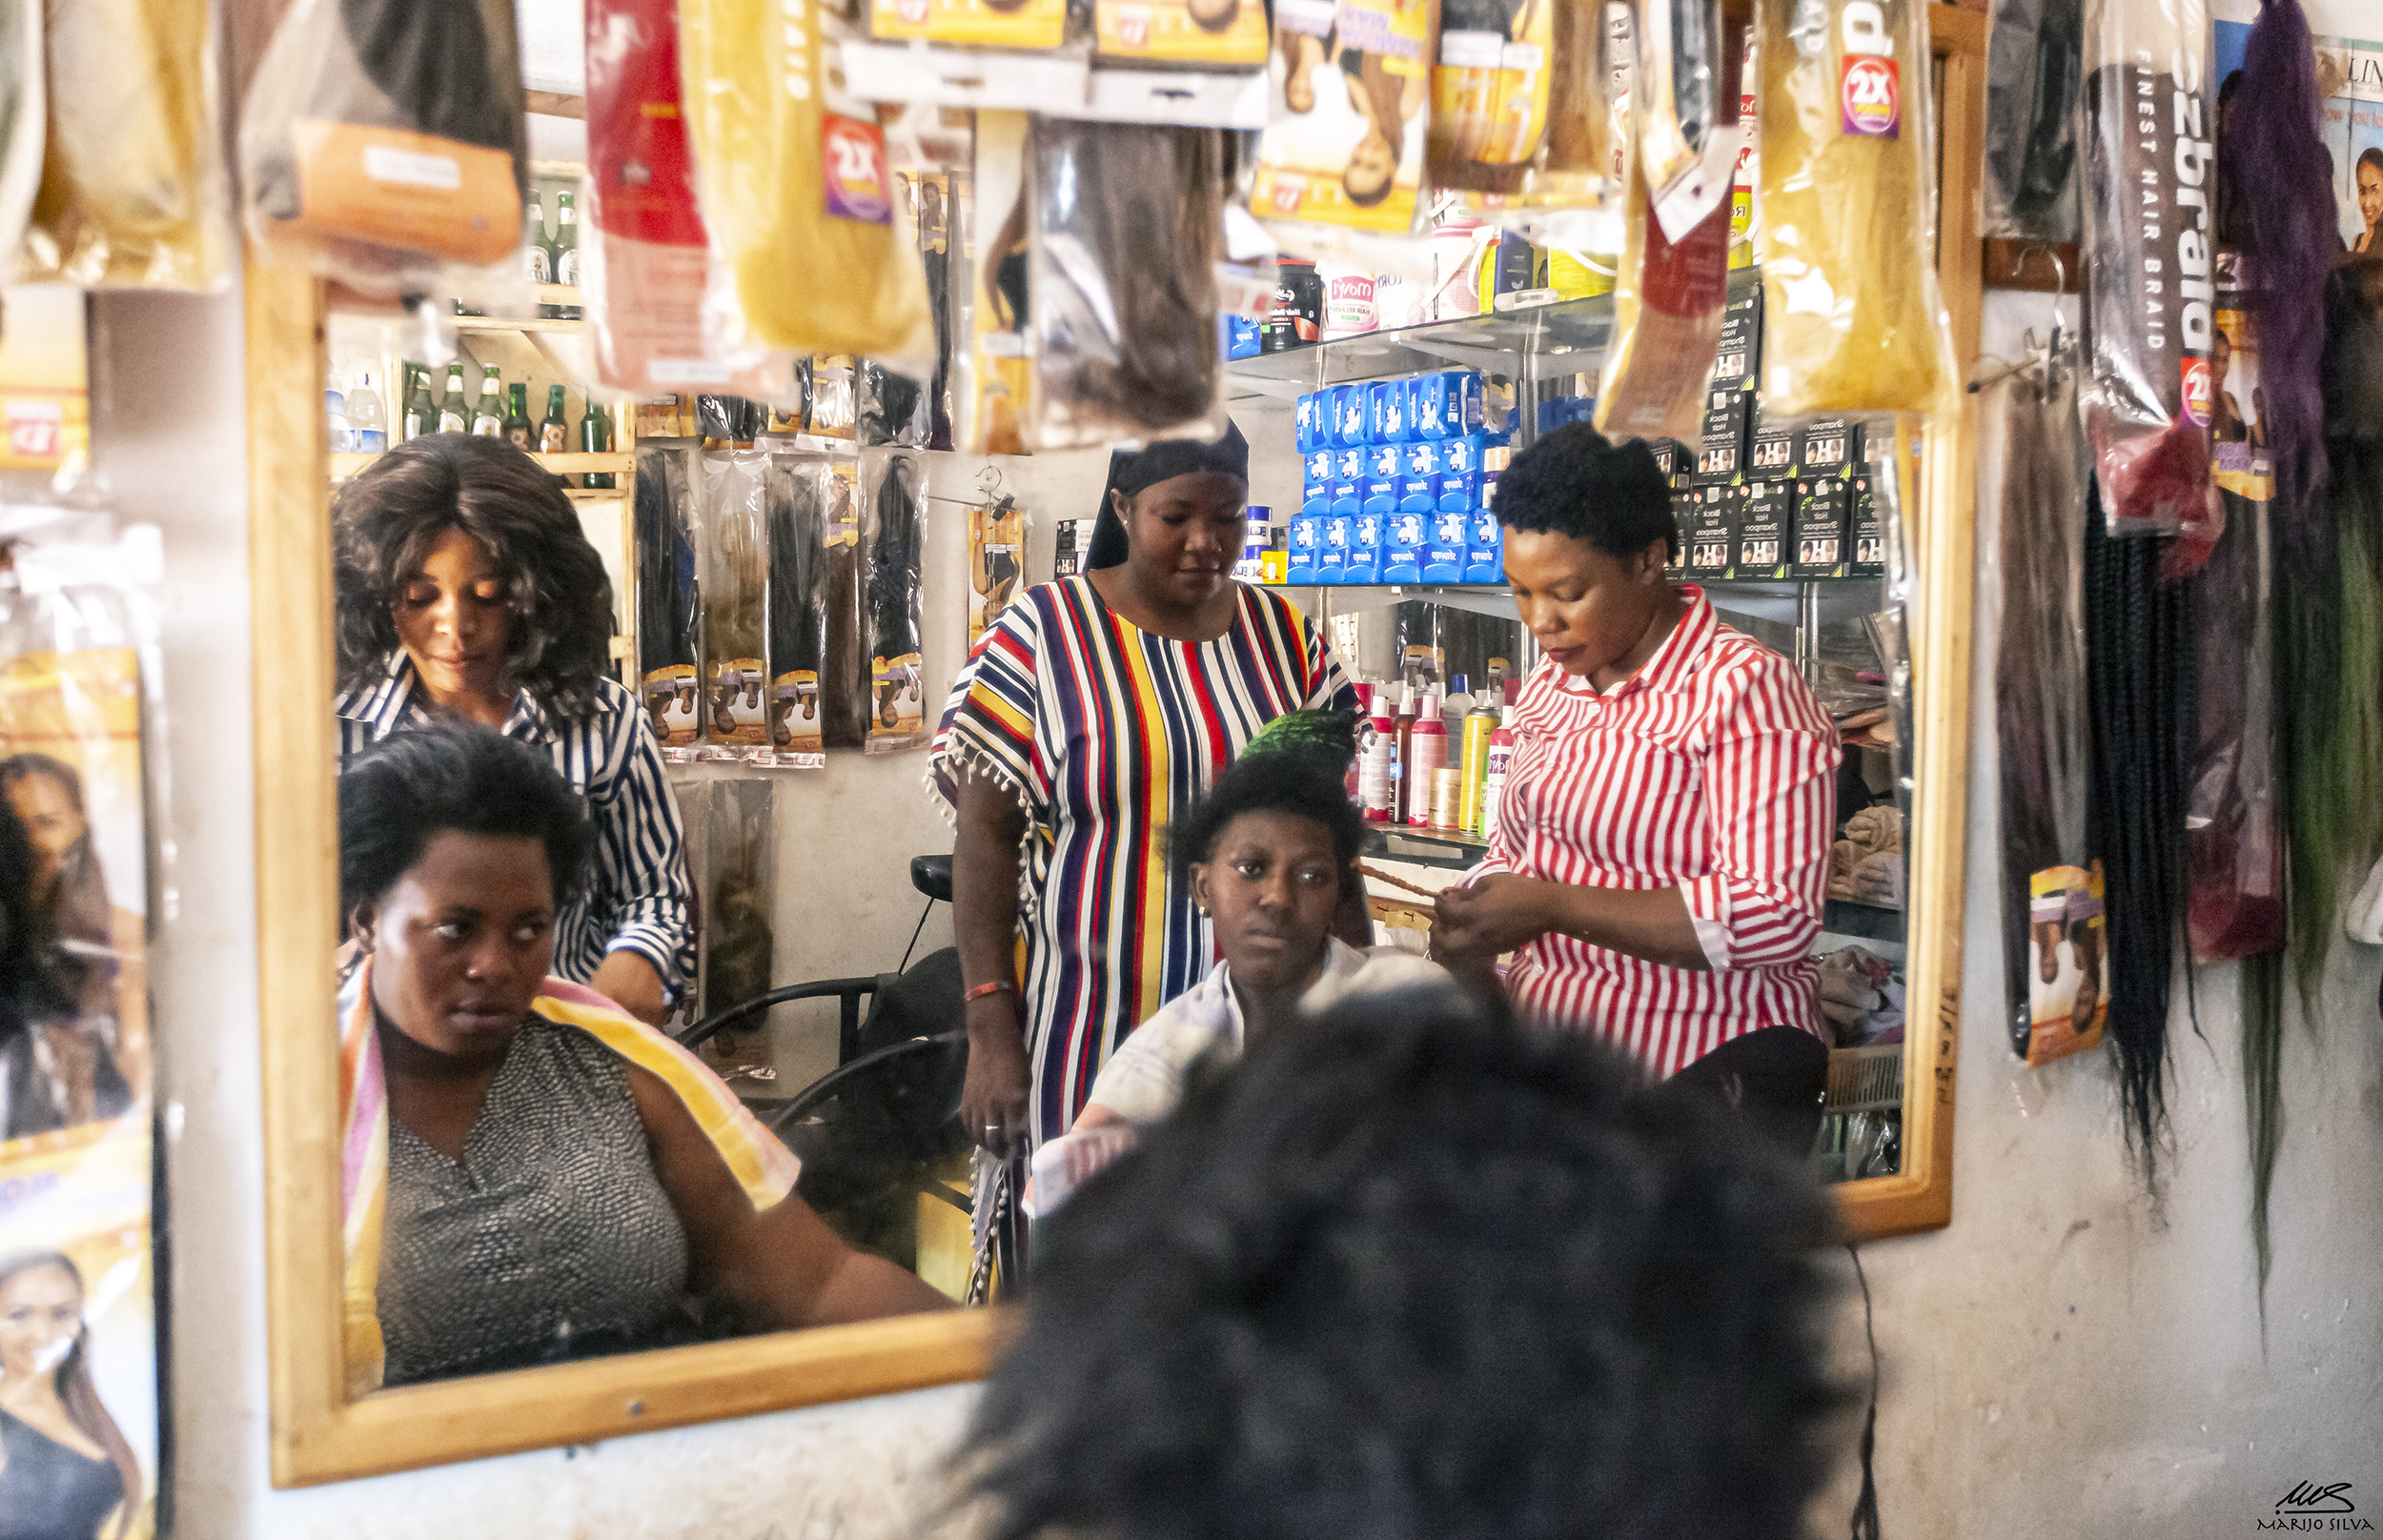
<point x="1501" y="757"/>
<point x="1427" y="751"/>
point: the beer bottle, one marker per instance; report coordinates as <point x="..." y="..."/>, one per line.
<point x="518" y="427"/>
<point x="595" y="438"/>
<point x="535" y="257"/>
<point x="421" y="413"/>
<point x="566" y="251"/>
<point x="455" y="414"/>
<point x="488" y="419"/>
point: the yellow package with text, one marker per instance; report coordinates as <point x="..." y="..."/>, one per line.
<point x="1017" y="24"/>
<point x="1182" y="32"/>
<point x="1344" y="134"/>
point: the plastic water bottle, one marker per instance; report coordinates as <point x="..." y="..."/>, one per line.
<point x="336" y="417"/>
<point x="367" y="428"/>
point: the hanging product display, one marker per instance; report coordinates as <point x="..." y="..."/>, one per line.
<point x="732" y="547"/>
<point x="2139" y="662"/>
<point x="894" y="532"/>
<point x="735" y="864"/>
<point x="131" y="183"/>
<point x="2150" y="253"/>
<point x="644" y="267"/>
<point x="794" y="184"/>
<point x="1852" y="318"/>
<point x="1491" y="80"/>
<point x="2234" y="848"/>
<point x="1344" y="146"/>
<point x="887" y="408"/>
<point x="798" y="625"/>
<point x="1205" y="34"/>
<point x="1126" y="231"/>
<point x="930" y="195"/>
<point x="1667" y="324"/>
<point x="2034" y="58"/>
<point x="1685" y="109"/>
<point x="78" y="683"/>
<point x="383" y="144"/>
<point x="668" y="597"/>
<point x="2052" y="883"/>
<point x="844" y="679"/>
<point x="996" y="562"/>
<point x="992" y="385"/>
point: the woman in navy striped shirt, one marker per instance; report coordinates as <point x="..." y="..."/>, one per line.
<point x="466" y="590"/>
<point x="1661" y="853"/>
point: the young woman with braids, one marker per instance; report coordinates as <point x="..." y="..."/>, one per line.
<point x="467" y="592"/>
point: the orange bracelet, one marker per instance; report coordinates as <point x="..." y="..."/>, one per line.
<point x="999" y="986"/>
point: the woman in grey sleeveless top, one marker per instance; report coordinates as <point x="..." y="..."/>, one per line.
<point x="550" y="1193"/>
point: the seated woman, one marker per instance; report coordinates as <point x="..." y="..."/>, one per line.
<point x="531" y="1174"/>
<point x="1267" y="854"/>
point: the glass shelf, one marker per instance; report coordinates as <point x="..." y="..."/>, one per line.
<point x="1483" y="342"/>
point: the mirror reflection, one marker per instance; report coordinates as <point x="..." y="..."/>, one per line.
<point x="1651" y="784"/>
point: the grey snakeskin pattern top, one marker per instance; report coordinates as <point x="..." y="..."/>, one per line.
<point x="551" y="1239"/>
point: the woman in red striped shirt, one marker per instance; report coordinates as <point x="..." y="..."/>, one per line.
<point x="1662" y="849"/>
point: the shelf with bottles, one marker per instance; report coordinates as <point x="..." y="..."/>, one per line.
<point x="1552" y="331"/>
<point x="346" y="464"/>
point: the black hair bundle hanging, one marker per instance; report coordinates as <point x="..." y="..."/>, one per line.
<point x="667" y="592"/>
<point x="894" y="657"/>
<point x="797" y="546"/>
<point x="2140" y="663"/>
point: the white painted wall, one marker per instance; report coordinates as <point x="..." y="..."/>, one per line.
<point x="2064" y="1360"/>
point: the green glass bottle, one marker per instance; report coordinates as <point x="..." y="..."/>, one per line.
<point x="518" y="428"/>
<point x="554" y="434"/>
<point x="421" y="412"/>
<point x="488" y="417"/>
<point x="454" y="412"/>
<point x="595" y="438"/>
<point x="566" y="251"/>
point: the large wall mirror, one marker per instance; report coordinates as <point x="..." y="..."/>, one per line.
<point x="334" y="1419"/>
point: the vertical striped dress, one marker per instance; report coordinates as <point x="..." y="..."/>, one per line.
<point x="1711" y="770"/>
<point x="1102" y="732"/>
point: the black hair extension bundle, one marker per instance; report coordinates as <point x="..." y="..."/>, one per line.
<point x="2140" y="662"/>
<point x="895" y="543"/>
<point x="798" y="624"/>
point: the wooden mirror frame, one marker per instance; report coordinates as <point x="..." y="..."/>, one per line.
<point x="320" y="1435"/>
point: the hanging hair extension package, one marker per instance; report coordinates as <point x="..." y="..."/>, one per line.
<point x="1125" y="232"/>
<point x="1345" y="116"/>
<point x="990" y="384"/>
<point x="2034" y="57"/>
<point x="383" y="144"/>
<point x="2150" y="262"/>
<point x="733" y="862"/>
<point x="996" y="562"/>
<point x="669" y="605"/>
<point x="796" y="489"/>
<point x="645" y="259"/>
<point x="132" y="189"/>
<point x="1491" y="84"/>
<point x="845" y="675"/>
<point x="893" y="501"/>
<point x="732" y="546"/>
<point x="1852" y="319"/>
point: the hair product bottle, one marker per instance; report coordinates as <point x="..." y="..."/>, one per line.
<point x="1427" y="752"/>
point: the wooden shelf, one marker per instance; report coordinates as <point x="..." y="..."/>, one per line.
<point x="522" y="323"/>
<point x="343" y="466"/>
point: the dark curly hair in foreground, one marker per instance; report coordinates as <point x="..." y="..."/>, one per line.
<point x="1575" y="482"/>
<point x="411" y="787"/>
<point x="1412" y="1273"/>
<point x="384" y="523"/>
<point x="1301" y="782"/>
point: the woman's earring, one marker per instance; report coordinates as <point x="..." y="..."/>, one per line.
<point x="1203" y="908"/>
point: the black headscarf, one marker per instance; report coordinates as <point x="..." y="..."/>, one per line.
<point x="1130" y="471"/>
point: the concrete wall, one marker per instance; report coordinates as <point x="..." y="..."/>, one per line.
<point x="2067" y="1359"/>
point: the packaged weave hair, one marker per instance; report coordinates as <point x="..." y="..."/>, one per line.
<point x="1125" y="233"/>
<point x="1217" y="36"/>
<point x="1853" y="321"/>
<point x="1346" y="117"/>
<point x="795" y="486"/>
<point x="732" y="546"/>
<point x="736" y="865"/>
<point x="996" y="562"/>
<point x="1684" y="109"/>
<point x="729" y="421"/>
<point x="1667" y="324"/>
<point x="991" y="387"/>
<point x="1491" y="83"/>
<point x="2034" y="58"/>
<point x="131" y="183"/>
<point x="643" y="253"/>
<point x="795" y="184"/>
<point x="834" y="393"/>
<point x="887" y="408"/>
<point x="2234" y="848"/>
<point x="894" y="532"/>
<point x="668" y="596"/>
<point x="2150" y="254"/>
<point x="2054" y="960"/>
<point x="383" y="144"/>
<point x="845" y="675"/>
<point x="930" y="194"/>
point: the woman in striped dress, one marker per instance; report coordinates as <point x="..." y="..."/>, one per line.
<point x="1097" y="707"/>
<point x="1661" y="852"/>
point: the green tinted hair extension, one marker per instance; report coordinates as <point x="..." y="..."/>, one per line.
<point x="2263" y="1093"/>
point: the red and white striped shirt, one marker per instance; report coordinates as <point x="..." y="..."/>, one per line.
<point x="1711" y="770"/>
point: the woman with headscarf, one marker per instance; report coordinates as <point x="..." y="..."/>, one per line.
<point x="1097" y="708"/>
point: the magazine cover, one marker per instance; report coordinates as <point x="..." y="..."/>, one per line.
<point x="2349" y="78"/>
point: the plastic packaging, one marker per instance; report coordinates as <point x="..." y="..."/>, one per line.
<point x="732" y="546"/>
<point x="2034" y="59"/>
<point x="132" y="189"/>
<point x="1684" y="109"/>
<point x="383" y="144"/>
<point x="929" y="197"/>
<point x="1852" y="318"/>
<point x="2234" y="839"/>
<point x="1667" y="324"/>
<point x="728" y="831"/>
<point x="887" y="408"/>
<point x="645" y="256"/>
<point x="795" y="184"/>
<point x="669" y="605"/>
<point x="894" y="532"/>
<point x="798" y="625"/>
<point x="1344" y="146"/>
<point x="1126" y="231"/>
<point x="24" y="118"/>
<point x="991" y="387"/>
<point x="1490" y="89"/>
<point x="79" y="682"/>
<point x="2151" y="263"/>
<point x="1205" y="34"/>
<point x="845" y="677"/>
<point x="996" y="562"/>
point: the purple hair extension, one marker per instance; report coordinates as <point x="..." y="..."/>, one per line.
<point x="2271" y="144"/>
